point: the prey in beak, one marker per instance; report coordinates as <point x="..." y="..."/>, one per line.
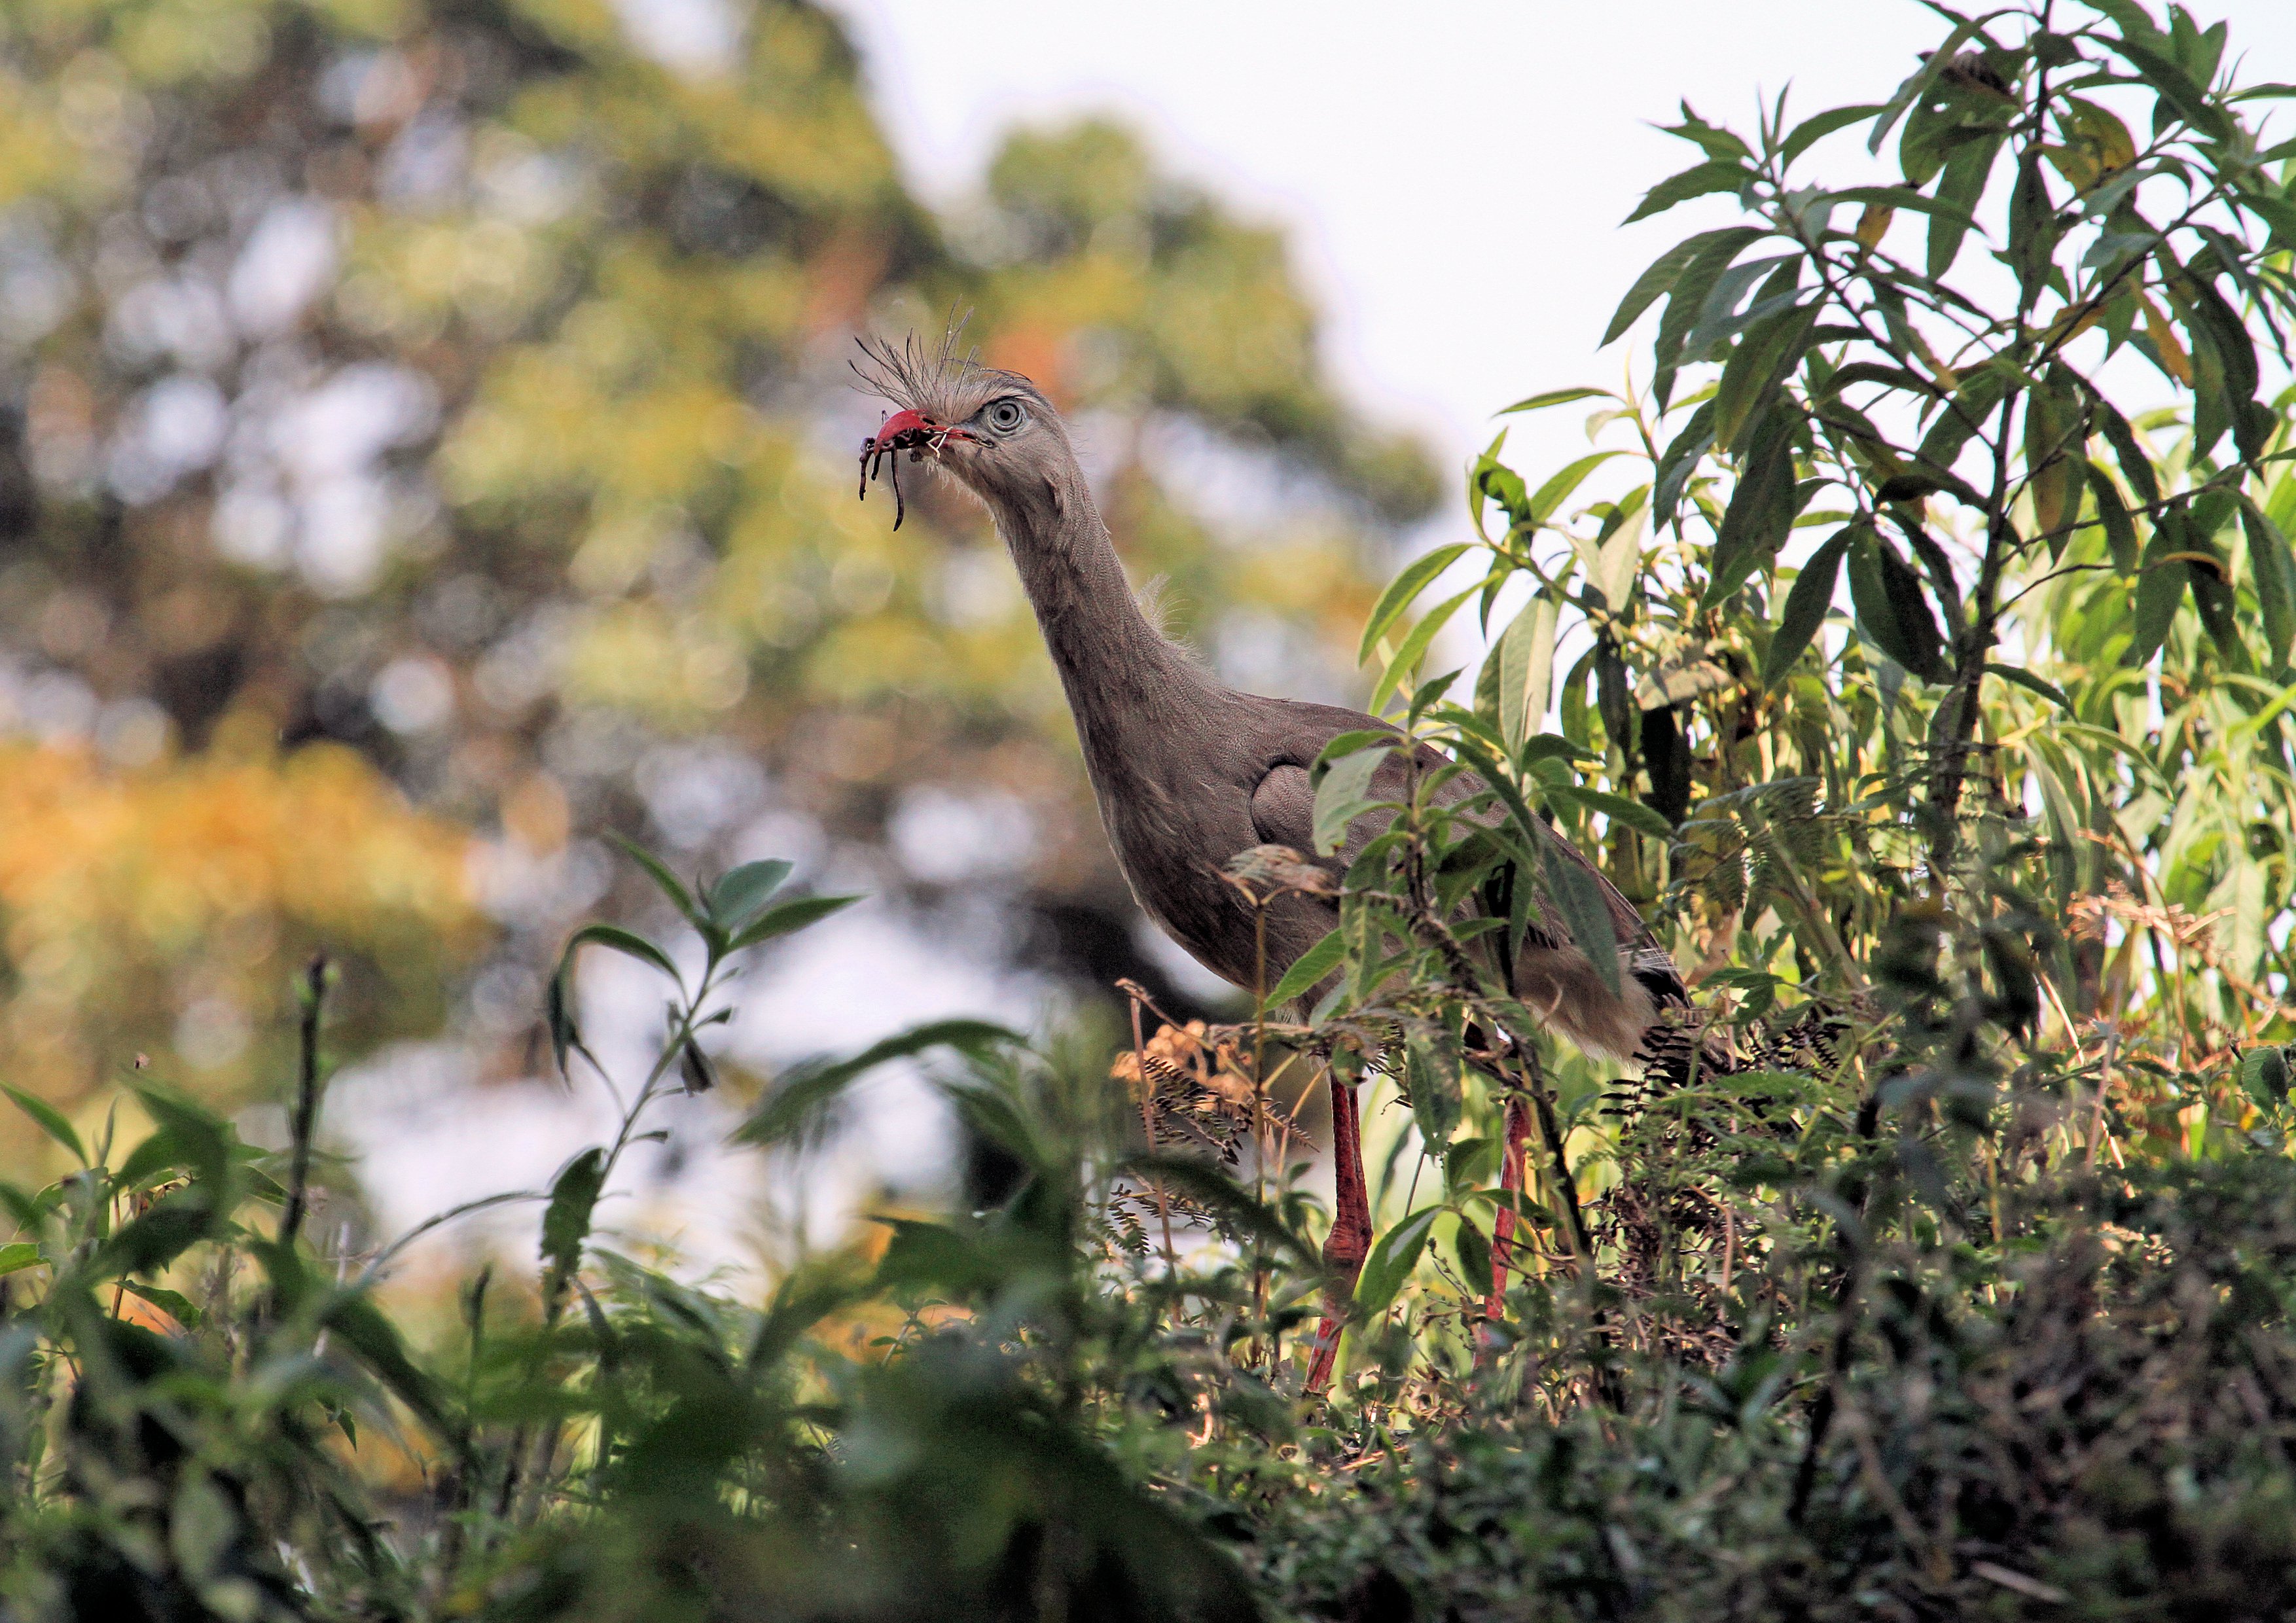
<point x="904" y="430"/>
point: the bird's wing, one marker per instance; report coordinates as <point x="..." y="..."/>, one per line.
<point x="1283" y="806"/>
<point x="1283" y="813"/>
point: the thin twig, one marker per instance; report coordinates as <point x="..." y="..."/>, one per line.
<point x="307" y="1103"/>
<point x="1148" y="1126"/>
<point x="2096" y="1125"/>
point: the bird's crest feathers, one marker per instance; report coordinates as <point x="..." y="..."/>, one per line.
<point x="942" y="382"/>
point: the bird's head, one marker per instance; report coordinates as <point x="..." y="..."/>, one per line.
<point x="992" y="430"/>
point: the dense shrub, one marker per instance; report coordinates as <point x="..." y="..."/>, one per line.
<point x="2101" y="1424"/>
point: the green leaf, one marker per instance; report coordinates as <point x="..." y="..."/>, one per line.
<point x="1765" y="357"/>
<point x="1557" y="490"/>
<point x="1399" y="597"/>
<point x="1906" y="198"/>
<point x="1525" y="657"/>
<point x="939" y="1260"/>
<point x="1473" y="1251"/>
<point x="806" y="1294"/>
<point x="1962" y="416"/>
<point x="740" y="892"/>
<point x="2027" y="680"/>
<point x="658" y="871"/>
<point x="2055" y="471"/>
<point x="157" y="1155"/>
<point x="376" y="1339"/>
<point x="795" y="1108"/>
<point x="1492" y="480"/>
<point x="1308" y="968"/>
<point x="1887" y="592"/>
<point x="1959" y="188"/>
<point x="20" y="1254"/>
<point x="1686" y="301"/>
<point x="2231" y="353"/>
<point x="1760" y="512"/>
<point x="1741" y="295"/>
<point x="2187" y="100"/>
<point x="1701" y="180"/>
<point x="1805" y="607"/>
<point x="2160" y="589"/>
<point x="1526" y="824"/>
<point x="1634" y="813"/>
<point x="695" y="1066"/>
<point x="1351" y="741"/>
<point x="1556" y="397"/>
<point x="1660" y="278"/>
<point x="627" y="942"/>
<point x="2035" y="229"/>
<point x="1526" y="1209"/>
<point x="166" y="1228"/>
<point x="1344" y="793"/>
<point x="784" y="917"/>
<point x="565" y="1036"/>
<point x="1918" y="82"/>
<point x="1431" y="1073"/>
<point x="1414" y="646"/>
<point x="2264" y="1077"/>
<point x="1577" y="892"/>
<point x="1677" y="464"/>
<point x="1894" y="378"/>
<point x="51" y="1121"/>
<point x="173" y="1303"/>
<point x="2112" y="515"/>
<point x="1817" y="127"/>
<point x="1553" y="746"/>
<point x="2136" y="467"/>
<point x="566" y="1222"/>
<point x="1711" y="138"/>
<point x="2212" y="595"/>
<point x="201" y="1136"/>
<point x="2275" y="577"/>
<point x="1393" y="1257"/>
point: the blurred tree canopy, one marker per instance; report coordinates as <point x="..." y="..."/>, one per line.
<point x="460" y="388"/>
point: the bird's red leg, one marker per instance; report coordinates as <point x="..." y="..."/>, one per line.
<point x="1349" y="1241"/>
<point x="1518" y="1131"/>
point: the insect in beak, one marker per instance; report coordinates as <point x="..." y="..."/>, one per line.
<point x="904" y="430"/>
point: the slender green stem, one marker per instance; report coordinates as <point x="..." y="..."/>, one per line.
<point x="306" y="1124"/>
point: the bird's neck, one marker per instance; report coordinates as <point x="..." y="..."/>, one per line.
<point x="1120" y="673"/>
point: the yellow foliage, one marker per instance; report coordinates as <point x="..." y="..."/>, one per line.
<point x="635" y="657"/>
<point x="194" y="889"/>
<point x="33" y="156"/>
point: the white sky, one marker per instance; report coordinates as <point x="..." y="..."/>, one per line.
<point x="1454" y="173"/>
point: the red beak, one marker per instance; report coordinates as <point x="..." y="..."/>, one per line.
<point x="912" y="430"/>
<point x="914" y="424"/>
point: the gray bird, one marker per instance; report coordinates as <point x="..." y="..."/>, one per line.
<point x="1189" y="773"/>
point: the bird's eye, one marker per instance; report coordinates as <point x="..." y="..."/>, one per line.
<point x="1006" y="415"/>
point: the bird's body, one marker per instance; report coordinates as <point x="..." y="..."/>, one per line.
<point x="1229" y="771"/>
<point x="1189" y="773"/>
